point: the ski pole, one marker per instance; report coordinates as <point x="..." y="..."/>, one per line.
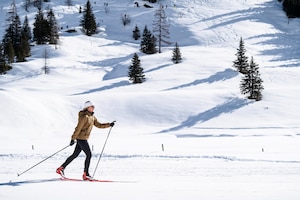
<point x="19" y="174"/>
<point x="102" y="150"/>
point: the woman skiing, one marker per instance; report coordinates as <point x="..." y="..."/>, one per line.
<point x="86" y="121"/>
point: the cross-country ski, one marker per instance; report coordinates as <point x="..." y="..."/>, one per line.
<point x="90" y="180"/>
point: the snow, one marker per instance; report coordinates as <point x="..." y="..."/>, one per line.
<point x="186" y="132"/>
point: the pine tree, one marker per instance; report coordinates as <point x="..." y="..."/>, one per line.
<point x="291" y="8"/>
<point x="161" y="27"/>
<point x="88" y="22"/>
<point x="41" y="30"/>
<point x="53" y="36"/>
<point x="136" y="72"/>
<point x="26" y="37"/>
<point x="12" y="40"/>
<point x="251" y="83"/>
<point x="136" y="33"/>
<point x="241" y="63"/>
<point x="17" y="42"/>
<point x="9" y="52"/>
<point x="26" y="30"/>
<point x="148" y="42"/>
<point x="4" y="67"/>
<point x="176" y="58"/>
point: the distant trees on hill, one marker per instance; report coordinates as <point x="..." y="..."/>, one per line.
<point x="45" y="28"/>
<point x="15" y="45"/>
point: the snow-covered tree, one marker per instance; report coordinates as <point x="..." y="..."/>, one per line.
<point x="251" y="83"/>
<point x="241" y="63"/>
<point x="161" y="27"/>
<point x="136" y="72"/>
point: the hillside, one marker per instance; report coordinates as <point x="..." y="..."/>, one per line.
<point x="211" y="132"/>
<point x="199" y="96"/>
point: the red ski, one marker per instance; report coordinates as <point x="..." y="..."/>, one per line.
<point x="77" y="179"/>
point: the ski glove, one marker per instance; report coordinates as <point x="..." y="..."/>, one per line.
<point x="112" y="124"/>
<point x="72" y="142"/>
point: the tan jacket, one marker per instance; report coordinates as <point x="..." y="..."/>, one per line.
<point x="86" y="121"/>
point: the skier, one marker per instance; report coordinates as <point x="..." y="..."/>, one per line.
<point x="86" y="121"/>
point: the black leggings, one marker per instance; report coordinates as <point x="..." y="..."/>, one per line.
<point x="81" y="145"/>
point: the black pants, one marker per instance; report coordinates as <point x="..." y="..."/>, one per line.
<point x="81" y="145"/>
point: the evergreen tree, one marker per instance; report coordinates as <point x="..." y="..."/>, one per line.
<point x="26" y="30"/>
<point x="136" y="33"/>
<point x="291" y="8"/>
<point x="241" y="63"/>
<point x="41" y="30"/>
<point x="4" y="67"/>
<point x="53" y="36"/>
<point x="251" y="83"/>
<point x="17" y="42"/>
<point x="9" y="52"/>
<point x="8" y="47"/>
<point x="161" y="27"/>
<point x="26" y="37"/>
<point x="136" y="72"/>
<point x="88" y="22"/>
<point x="148" y="43"/>
<point x="12" y="37"/>
<point x="176" y="58"/>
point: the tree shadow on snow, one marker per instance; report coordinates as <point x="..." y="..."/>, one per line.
<point x="158" y="68"/>
<point x="108" y="87"/>
<point x="227" y="107"/>
<point x="118" y="70"/>
<point x="219" y="76"/>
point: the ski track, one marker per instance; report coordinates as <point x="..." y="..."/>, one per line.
<point x="136" y="166"/>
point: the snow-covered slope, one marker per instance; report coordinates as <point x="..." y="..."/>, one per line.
<point x="203" y="91"/>
<point x="194" y="108"/>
